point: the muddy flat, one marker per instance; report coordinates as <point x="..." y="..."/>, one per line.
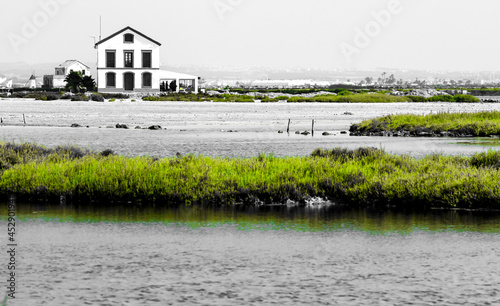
<point x="218" y="129"/>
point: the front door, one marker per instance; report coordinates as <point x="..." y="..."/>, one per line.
<point x="128" y="81"/>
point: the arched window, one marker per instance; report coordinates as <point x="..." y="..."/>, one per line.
<point x="111" y="79"/>
<point x="146" y="80"/>
<point x="128" y="38"/>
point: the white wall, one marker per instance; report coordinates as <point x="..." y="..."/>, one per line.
<point x="78" y="67"/>
<point x="117" y="44"/>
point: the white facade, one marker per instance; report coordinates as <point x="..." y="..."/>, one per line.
<point x="72" y="65"/>
<point x="57" y="80"/>
<point x="123" y="63"/>
<point x="129" y="61"/>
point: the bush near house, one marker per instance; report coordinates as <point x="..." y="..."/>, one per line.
<point x="79" y="98"/>
<point x="97" y="97"/>
<point x="114" y="96"/>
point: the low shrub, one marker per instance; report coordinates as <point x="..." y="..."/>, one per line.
<point x="97" y="98"/>
<point x="417" y="98"/>
<point x="465" y="98"/>
<point x="115" y="96"/>
<point x="79" y="97"/>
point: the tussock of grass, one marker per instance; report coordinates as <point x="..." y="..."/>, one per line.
<point x="474" y="124"/>
<point x="366" y="177"/>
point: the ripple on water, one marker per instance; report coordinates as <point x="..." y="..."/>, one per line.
<point x="155" y="264"/>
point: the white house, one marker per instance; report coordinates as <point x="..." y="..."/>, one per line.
<point x="5" y="84"/>
<point x="61" y="71"/>
<point x="129" y="61"/>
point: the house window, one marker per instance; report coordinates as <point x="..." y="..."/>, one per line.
<point x="146" y="59"/>
<point x="128" y="38"/>
<point x="110" y="79"/>
<point x="83" y="72"/>
<point x="186" y="84"/>
<point x="110" y="59"/>
<point x="129" y="59"/>
<point x="146" y="79"/>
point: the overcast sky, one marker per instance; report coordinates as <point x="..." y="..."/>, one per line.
<point x="408" y="34"/>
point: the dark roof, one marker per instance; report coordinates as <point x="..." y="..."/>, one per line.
<point x="123" y="30"/>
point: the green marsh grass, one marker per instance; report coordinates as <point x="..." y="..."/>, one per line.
<point x="361" y="177"/>
<point x="474" y="124"/>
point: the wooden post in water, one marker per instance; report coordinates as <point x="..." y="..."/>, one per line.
<point x="24" y="119"/>
<point x="288" y="127"/>
<point x="312" y="129"/>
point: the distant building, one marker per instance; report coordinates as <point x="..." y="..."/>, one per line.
<point x="31" y="82"/>
<point x="5" y="84"/>
<point x="61" y="71"/>
<point x="129" y="61"/>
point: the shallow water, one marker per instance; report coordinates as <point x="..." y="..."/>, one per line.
<point x="81" y="255"/>
<point x="297" y="218"/>
<point x="198" y="127"/>
<point x="67" y="263"/>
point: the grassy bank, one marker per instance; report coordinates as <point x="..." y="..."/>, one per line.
<point x="445" y="124"/>
<point x="327" y="98"/>
<point x="366" y="177"/>
<point x="335" y="96"/>
<point x="342" y="96"/>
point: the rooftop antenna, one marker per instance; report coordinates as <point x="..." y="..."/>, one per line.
<point x="100" y="27"/>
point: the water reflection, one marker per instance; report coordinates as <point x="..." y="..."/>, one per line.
<point x="265" y="217"/>
<point x="485" y="142"/>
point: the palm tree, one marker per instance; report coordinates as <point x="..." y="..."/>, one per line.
<point x="88" y="82"/>
<point x="73" y="80"/>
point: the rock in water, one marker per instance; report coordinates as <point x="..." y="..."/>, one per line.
<point x="155" y="127"/>
<point x="121" y="126"/>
